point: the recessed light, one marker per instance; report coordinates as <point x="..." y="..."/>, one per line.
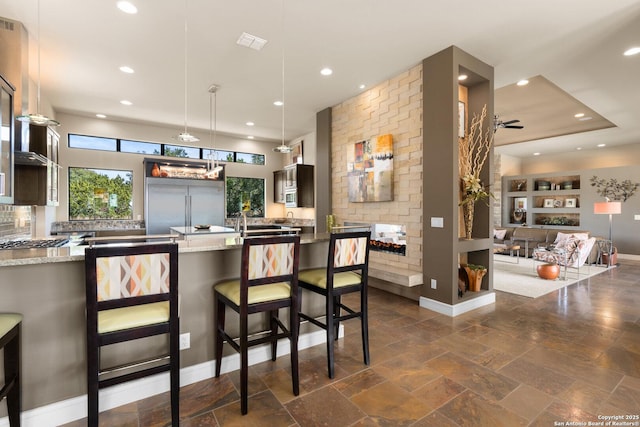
<point x="126" y="69"/>
<point x="632" y="51"/>
<point x="601" y="145"/>
<point x="462" y="77"/>
<point x="536" y="154"/>
<point x="579" y="148"/>
<point x="523" y="82"/>
<point x="278" y="103"/>
<point x="250" y="137"/>
<point x="249" y="123"/>
<point x="362" y="86"/>
<point x="127" y="7"/>
<point x="577" y="116"/>
<point x="101" y="116"/>
<point x="125" y="102"/>
<point x="584" y="119"/>
<point x="326" y="71"/>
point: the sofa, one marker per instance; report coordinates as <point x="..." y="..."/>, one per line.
<point x="503" y="236"/>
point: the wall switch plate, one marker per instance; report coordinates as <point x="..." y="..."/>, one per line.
<point x="636" y="217"/>
<point x="434" y="283"/>
<point x="437" y="222"/>
<point x="185" y="341"/>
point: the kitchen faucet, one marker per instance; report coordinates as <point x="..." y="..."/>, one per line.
<point x="290" y="212"/>
<point x="242" y="215"/>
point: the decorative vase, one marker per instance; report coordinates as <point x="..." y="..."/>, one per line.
<point x="475" y="277"/>
<point x="549" y="271"/>
<point x="155" y="171"/>
<point x="467" y="213"/>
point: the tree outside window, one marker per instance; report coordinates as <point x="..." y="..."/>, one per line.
<point x="243" y="190"/>
<point x="100" y="194"/>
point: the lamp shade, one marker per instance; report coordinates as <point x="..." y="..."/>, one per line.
<point x="607" y="208"/>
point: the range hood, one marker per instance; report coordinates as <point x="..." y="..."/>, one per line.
<point x="30" y="158"/>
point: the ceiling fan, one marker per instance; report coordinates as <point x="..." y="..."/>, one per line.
<point x="509" y="124"/>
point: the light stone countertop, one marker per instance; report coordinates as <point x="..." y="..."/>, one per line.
<point x="13" y="257"/>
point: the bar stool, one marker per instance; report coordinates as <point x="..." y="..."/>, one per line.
<point x="346" y="272"/>
<point x="132" y="293"/>
<point x="10" y="342"/>
<point x="268" y="281"/>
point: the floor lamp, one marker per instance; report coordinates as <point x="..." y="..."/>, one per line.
<point x="608" y="208"/>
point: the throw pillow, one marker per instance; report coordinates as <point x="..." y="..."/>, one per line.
<point x="562" y="236"/>
<point x="581" y="252"/>
<point x="499" y="234"/>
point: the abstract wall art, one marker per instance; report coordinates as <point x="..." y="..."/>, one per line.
<point x="370" y="170"/>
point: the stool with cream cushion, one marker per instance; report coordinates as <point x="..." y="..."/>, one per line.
<point x="346" y="272"/>
<point x="132" y="293"/>
<point x="268" y="281"/>
<point x="10" y="343"/>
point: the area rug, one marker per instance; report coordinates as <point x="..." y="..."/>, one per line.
<point x="522" y="279"/>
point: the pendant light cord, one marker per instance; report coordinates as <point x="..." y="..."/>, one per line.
<point x="38" y="93"/>
<point x="186" y="68"/>
<point x="283" y="103"/>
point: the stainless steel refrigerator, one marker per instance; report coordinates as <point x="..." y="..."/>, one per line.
<point x="182" y="203"/>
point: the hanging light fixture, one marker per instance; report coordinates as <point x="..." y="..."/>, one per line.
<point x="213" y="168"/>
<point x="185" y="136"/>
<point x="37" y="118"/>
<point x="282" y="148"/>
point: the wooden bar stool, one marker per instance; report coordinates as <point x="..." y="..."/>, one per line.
<point x="10" y="342"/>
<point x="268" y="281"/>
<point x="346" y="272"/>
<point x="132" y="293"/>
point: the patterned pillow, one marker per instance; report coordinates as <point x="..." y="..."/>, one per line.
<point x="581" y="252"/>
<point x="500" y="234"/>
<point x="562" y="236"/>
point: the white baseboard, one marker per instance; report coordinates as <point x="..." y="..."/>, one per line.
<point x="457" y="309"/>
<point x="629" y="257"/>
<point x="68" y="410"/>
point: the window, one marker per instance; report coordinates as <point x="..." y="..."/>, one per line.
<point x="153" y="148"/>
<point x="183" y="152"/>
<point x="100" y="194"/>
<point x="243" y="190"/>
<point x="255" y="159"/>
<point x="140" y="147"/>
<point x="92" y="143"/>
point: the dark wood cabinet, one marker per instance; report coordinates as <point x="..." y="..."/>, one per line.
<point x="36" y="168"/>
<point x="295" y="179"/>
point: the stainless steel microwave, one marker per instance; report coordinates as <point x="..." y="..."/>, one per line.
<point x="291" y="198"/>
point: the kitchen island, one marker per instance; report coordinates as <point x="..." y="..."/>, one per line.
<point x="48" y="287"/>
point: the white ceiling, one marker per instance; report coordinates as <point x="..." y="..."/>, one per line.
<point x="575" y="44"/>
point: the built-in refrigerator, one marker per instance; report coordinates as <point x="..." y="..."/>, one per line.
<point x="180" y="202"/>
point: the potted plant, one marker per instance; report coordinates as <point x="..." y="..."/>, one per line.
<point x="475" y="273"/>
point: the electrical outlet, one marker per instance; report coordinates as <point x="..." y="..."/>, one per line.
<point x="434" y="283"/>
<point x="185" y="341"/>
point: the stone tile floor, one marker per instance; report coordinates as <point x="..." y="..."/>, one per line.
<point x="570" y="356"/>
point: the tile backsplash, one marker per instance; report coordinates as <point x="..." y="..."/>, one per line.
<point x="15" y="222"/>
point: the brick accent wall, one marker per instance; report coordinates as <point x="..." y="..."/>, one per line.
<point x="393" y="106"/>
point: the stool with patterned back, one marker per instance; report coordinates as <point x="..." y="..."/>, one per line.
<point x="268" y="282"/>
<point x="10" y="343"/>
<point x="346" y="272"/>
<point x="131" y="294"/>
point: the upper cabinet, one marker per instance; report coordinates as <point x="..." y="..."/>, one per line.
<point x="6" y="142"/>
<point x="37" y="169"/>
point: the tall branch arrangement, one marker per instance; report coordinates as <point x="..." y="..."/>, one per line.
<point x="474" y="150"/>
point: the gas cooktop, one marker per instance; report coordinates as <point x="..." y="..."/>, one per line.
<point x="33" y="243"/>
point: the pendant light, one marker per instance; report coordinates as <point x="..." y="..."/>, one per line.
<point x="185" y="136"/>
<point x="37" y="118"/>
<point x="282" y="148"/>
<point x="213" y="168"/>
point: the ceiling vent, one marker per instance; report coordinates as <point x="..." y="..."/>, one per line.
<point x="251" y="41"/>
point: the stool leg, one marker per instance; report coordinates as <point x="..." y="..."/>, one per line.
<point x="294" y="325"/>
<point x="273" y="315"/>
<point x="219" y="326"/>
<point x="93" y="357"/>
<point x="12" y="371"/>
<point x="364" y="317"/>
<point x="330" y="332"/>
<point x="244" y="361"/>
<point x="336" y="314"/>
<point x="175" y="373"/>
